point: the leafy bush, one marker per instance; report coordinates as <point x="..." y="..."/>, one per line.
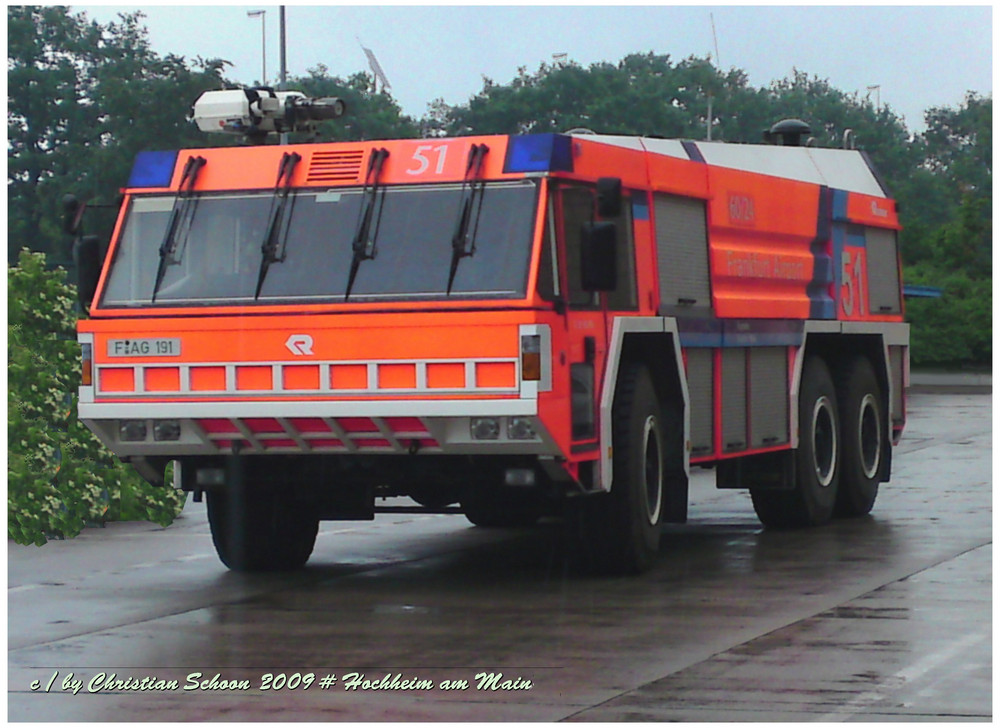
<point x="956" y="329"/>
<point x="59" y="476"/>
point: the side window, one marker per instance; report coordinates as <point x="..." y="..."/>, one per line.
<point x="548" y="281"/>
<point x="624" y="296"/>
<point x="577" y="207"/>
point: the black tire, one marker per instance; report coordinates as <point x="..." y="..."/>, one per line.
<point x="817" y="459"/>
<point x="863" y="439"/>
<point x="256" y="528"/>
<point x="619" y="532"/>
<point x="433" y="496"/>
<point x="491" y="506"/>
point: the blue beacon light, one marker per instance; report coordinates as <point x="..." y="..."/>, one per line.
<point x="153" y="169"/>
<point x="539" y="153"/>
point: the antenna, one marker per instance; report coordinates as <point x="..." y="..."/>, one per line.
<point x="375" y="67"/>
<point x="877" y="88"/>
<point x="715" y="40"/>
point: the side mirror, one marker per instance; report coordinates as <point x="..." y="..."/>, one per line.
<point x="609" y="197"/>
<point x="598" y="256"/>
<point x="72" y="214"/>
<point x="87" y="256"/>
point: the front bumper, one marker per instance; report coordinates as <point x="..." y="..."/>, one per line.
<point x="390" y="428"/>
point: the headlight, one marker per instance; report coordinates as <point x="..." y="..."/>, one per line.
<point x="132" y="430"/>
<point x="166" y="430"/>
<point x="520" y="428"/>
<point x="485" y="428"/>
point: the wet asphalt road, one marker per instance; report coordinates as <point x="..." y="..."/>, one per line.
<point x="882" y="618"/>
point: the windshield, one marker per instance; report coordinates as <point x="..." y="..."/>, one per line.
<point x="216" y="257"/>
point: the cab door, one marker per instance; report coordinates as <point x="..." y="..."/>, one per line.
<point x="589" y="314"/>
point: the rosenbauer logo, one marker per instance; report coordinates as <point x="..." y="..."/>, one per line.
<point x="741" y="209"/>
<point x="300" y="344"/>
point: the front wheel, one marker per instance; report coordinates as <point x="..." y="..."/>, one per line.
<point x="817" y="459"/>
<point x="259" y="528"/>
<point x="619" y="532"/>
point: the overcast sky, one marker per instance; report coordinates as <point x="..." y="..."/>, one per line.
<point x="919" y="56"/>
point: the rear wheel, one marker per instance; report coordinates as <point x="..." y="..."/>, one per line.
<point x="619" y="532"/>
<point x="259" y="528"/>
<point x="863" y="439"/>
<point x="817" y="459"/>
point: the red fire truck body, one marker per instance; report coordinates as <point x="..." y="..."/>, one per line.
<point x="501" y="322"/>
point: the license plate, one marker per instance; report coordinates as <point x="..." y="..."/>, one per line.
<point x="144" y="347"/>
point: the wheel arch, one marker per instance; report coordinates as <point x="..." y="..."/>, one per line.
<point x="654" y="342"/>
<point x="839" y="350"/>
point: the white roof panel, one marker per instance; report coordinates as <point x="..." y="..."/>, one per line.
<point x="666" y="147"/>
<point x="841" y="169"/>
<point x="629" y="142"/>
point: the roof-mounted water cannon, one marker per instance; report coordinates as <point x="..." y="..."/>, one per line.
<point x="257" y="112"/>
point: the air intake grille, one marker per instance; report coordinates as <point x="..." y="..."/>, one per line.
<point x="339" y="166"/>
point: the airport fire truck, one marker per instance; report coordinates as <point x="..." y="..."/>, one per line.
<point x="510" y="325"/>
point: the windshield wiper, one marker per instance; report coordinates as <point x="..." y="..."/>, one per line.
<point x="272" y="239"/>
<point x="180" y="218"/>
<point x="463" y="245"/>
<point x="363" y="246"/>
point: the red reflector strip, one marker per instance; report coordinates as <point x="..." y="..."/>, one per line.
<point x="310" y="434"/>
<point x="372" y="443"/>
<point x="321" y="443"/>
<point x="357" y="424"/>
<point x="268" y="444"/>
<point x="308" y="424"/>
<point x="405" y="424"/>
<point x="263" y="425"/>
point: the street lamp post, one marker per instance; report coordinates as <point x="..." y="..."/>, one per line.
<point x="262" y="14"/>
<point x="283" y="70"/>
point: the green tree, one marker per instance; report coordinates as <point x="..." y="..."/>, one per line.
<point x="949" y="239"/>
<point x="959" y="145"/>
<point x="650" y="95"/>
<point x="59" y="476"/>
<point x="953" y="176"/>
<point x="643" y="94"/>
<point x="83" y="99"/>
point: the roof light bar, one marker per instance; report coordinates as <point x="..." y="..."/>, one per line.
<point x="539" y="153"/>
<point x="153" y="169"/>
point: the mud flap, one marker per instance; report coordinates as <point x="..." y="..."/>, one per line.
<point x="770" y="471"/>
<point x="675" y="497"/>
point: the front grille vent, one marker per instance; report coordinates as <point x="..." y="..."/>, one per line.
<point x="337" y="166"/>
